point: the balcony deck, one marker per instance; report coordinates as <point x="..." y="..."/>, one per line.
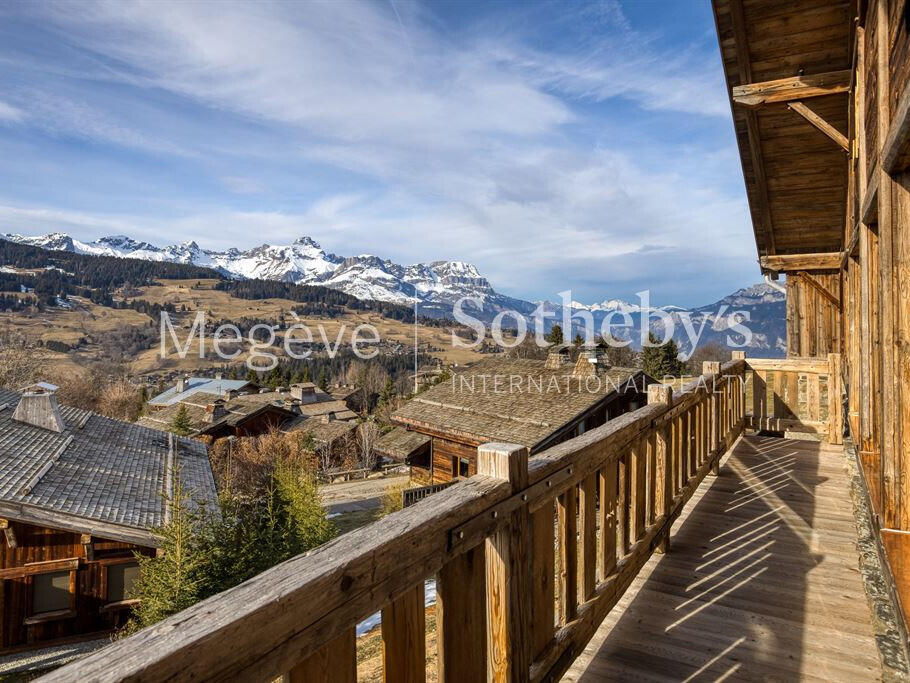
<point x="761" y="581"/>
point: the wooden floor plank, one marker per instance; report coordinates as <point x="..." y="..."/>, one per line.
<point x="762" y="581"/>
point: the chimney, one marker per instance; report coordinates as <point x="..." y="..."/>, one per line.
<point x="217" y="375"/>
<point x="182" y="384"/>
<point x="557" y="357"/>
<point x="305" y="392"/>
<point x="38" y="407"/>
<point x="215" y="411"/>
<point x="328" y="417"/>
<point x="229" y="394"/>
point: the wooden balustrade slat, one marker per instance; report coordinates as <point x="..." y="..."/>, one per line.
<point x="543" y="570"/>
<point x="622" y="505"/>
<point x="334" y="662"/>
<point x="568" y="554"/>
<point x="650" y="507"/>
<point x="608" y="479"/>
<point x="638" y="457"/>
<point x="461" y="618"/>
<point x="404" y="658"/>
<point x="587" y="566"/>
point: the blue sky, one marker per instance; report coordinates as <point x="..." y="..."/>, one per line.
<point x="556" y="145"/>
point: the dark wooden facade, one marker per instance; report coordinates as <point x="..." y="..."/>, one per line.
<point x="826" y="160"/>
<point x="28" y="552"/>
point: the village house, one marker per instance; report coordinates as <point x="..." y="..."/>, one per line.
<point x="240" y="414"/>
<point x="536" y="403"/>
<point x="79" y="495"/>
<point x="187" y="386"/>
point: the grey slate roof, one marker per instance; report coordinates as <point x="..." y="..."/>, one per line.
<point x="106" y="470"/>
<point x="194" y="384"/>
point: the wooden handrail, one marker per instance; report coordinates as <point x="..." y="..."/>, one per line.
<point x="490" y="542"/>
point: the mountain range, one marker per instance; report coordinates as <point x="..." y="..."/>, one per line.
<point x="432" y="287"/>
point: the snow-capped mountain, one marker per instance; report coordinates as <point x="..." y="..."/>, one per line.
<point x="434" y="287"/>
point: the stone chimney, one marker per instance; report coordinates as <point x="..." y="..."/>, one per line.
<point x="182" y="384"/>
<point x="328" y="417"/>
<point x="215" y="410"/>
<point x="305" y="392"/>
<point x="217" y="375"/>
<point x="591" y="360"/>
<point x="229" y="394"/>
<point x="557" y="357"/>
<point x="38" y="407"/>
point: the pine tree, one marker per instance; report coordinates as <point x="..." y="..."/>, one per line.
<point x="555" y="335"/>
<point x="252" y="376"/>
<point x="323" y="380"/>
<point x="180" y="424"/>
<point x="170" y="582"/>
<point x="579" y="340"/>
<point x="662" y="360"/>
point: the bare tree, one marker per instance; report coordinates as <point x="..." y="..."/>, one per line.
<point x="324" y="460"/>
<point x="19" y="363"/>
<point x="367" y="436"/>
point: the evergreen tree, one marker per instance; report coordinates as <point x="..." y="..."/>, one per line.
<point x="252" y="376"/>
<point x="180" y="424"/>
<point x="662" y="360"/>
<point x="555" y="335"/>
<point x="323" y="380"/>
<point x="579" y="340"/>
<point x="170" y="582"/>
<point x="306" y="373"/>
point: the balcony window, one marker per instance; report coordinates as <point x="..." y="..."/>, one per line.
<point x="120" y="581"/>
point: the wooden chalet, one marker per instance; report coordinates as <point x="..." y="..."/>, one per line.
<point x="694" y="538"/>
<point x="537" y="403"/>
<point x="80" y="494"/>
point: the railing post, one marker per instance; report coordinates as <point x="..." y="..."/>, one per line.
<point x="663" y="491"/>
<point x="712" y="367"/>
<point x="508" y="570"/>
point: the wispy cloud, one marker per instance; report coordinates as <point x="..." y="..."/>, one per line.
<point x="399" y="130"/>
<point x="10" y="113"/>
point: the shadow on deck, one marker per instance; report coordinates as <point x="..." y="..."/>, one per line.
<point x="761" y="581"/>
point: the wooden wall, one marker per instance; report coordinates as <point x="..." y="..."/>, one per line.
<point x="813" y="318"/>
<point x="41" y="544"/>
<point x="876" y="282"/>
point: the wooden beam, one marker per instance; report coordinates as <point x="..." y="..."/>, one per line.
<point x="745" y="76"/>
<point x="896" y="150"/>
<point x="787" y="263"/>
<point x="821" y="124"/>
<point x="87" y="547"/>
<point x="794" y="88"/>
<point x="808" y="279"/>
<point x="9" y="533"/>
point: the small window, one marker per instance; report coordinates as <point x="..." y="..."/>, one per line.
<point x="463" y="467"/>
<point x="120" y="581"/>
<point x="51" y="592"/>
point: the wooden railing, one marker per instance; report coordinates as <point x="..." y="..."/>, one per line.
<point x="416" y="494"/>
<point x="596" y="507"/>
<point x="797" y="395"/>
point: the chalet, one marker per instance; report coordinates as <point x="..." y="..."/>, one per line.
<point x="327" y="431"/>
<point x="537" y="403"/>
<point x="187" y="386"/>
<point x="212" y="415"/>
<point x="247" y="414"/>
<point x="80" y="494"/>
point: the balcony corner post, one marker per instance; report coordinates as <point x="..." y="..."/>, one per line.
<point x="712" y="367"/>
<point x="508" y="570"/>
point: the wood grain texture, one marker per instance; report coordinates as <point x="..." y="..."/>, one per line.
<point x="761" y="583"/>
<point x="404" y="657"/>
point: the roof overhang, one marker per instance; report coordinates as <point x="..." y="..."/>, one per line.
<point x="788" y="68"/>
<point x="33" y="514"/>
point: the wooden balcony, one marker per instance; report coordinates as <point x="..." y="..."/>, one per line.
<point x="535" y="557"/>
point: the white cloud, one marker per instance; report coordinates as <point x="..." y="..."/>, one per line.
<point x="10" y="113"/>
<point x="467" y="143"/>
